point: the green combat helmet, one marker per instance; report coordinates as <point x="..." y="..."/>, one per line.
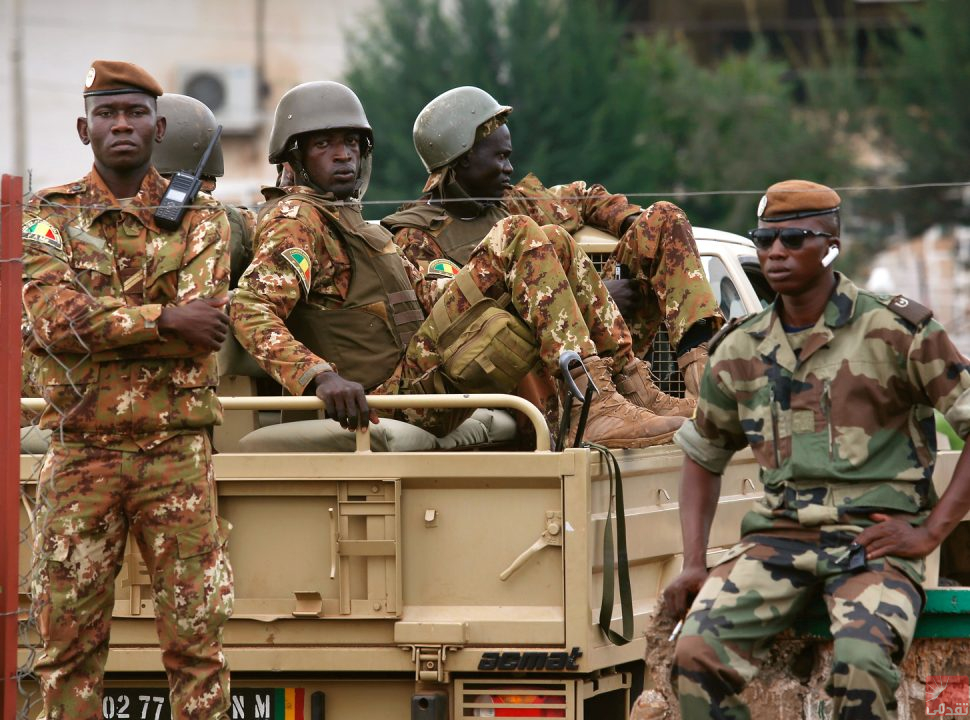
<point x="445" y="128"/>
<point x="190" y="126"/>
<point x="320" y="105"/>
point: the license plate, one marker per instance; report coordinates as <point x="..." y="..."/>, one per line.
<point x="247" y="704"/>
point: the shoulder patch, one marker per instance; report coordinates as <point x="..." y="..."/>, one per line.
<point x="301" y="263"/>
<point x="40" y="231"/>
<point x="443" y="267"/>
<point x="909" y="310"/>
<point x="729" y="327"/>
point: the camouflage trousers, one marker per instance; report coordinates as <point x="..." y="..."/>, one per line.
<point x="88" y="500"/>
<point x="761" y="588"/>
<point x="659" y="254"/>
<point x="554" y="288"/>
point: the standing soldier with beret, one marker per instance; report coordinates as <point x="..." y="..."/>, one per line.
<point x="330" y="305"/>
<point x="125" y="317"/>
<point x="833" y="388"/>
<point x="655" y="274"/>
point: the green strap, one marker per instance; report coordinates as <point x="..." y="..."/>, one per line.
<point x="621" y="564"/>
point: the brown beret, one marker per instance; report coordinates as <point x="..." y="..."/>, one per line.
<point x="114" y="77"/>
<point x="792" y="199"/>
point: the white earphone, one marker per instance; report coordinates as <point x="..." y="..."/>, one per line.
<point x="830" y="255"/>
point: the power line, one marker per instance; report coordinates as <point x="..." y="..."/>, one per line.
<point x="849" y="189"/>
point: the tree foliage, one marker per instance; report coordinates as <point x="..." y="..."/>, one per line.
<point x="924" y="118"/>
<point x="636" y="114"/>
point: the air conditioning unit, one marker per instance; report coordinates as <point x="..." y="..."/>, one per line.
<point x="230" y="91"/>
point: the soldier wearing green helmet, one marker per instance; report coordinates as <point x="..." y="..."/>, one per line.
<point x="191" y="126"/>
<point x="330" y="305"/>
<point x="462" y="138"/>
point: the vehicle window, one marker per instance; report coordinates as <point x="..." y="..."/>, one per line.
<point x="757" y="278"/>
<point x="726" y="292"/>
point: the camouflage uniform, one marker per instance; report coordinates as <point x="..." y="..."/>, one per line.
<point x="242" y="225"/>
<point x="552" y="284"/>
<point x="128" y="407"/>
<point x="840" y="417"/>
<point x="657" y="251"/>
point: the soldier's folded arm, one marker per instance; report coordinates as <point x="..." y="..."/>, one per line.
<point x="67" y="318"/>
<point x="197" y="323"/>
<point x="592" y="204"/>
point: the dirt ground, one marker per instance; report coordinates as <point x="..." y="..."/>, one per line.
<point x="791" y="683"/>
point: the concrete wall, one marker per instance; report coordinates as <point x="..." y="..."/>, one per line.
<point x="303" y="40"/>
<point x="933" y="270"/>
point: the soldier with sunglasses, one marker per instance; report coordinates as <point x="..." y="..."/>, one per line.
<point x="833" y="388"/>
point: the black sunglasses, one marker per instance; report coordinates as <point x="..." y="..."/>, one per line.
<point x="791" y="237"/>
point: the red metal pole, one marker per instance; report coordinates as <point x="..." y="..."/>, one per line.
<point x="11" y="250"/>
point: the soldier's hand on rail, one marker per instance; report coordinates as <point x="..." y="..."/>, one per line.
<point x="895" y="536"/>
<point x="344" y="401"/>
<point x="624" y="294"/>
<point x="679" y="595"/>
<point x="202" y="322"/>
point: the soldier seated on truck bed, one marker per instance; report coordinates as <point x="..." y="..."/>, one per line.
<point x="834" y="389"/>
<point x="655" y="272"/>
<point x="330" y="305"/>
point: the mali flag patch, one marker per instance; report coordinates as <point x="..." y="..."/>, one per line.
<point x="301" y="263"/>
<point x="41" y="231"/>
<point x="443" y="268"/>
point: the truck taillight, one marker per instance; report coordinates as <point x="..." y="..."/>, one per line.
<point x="520" y="706"/>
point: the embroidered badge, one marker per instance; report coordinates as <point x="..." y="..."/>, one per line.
<point x="443" y="268"/>
<point x="41" y="231"/>
<point x="762" y="205"/>
<point x="301" y="263"/>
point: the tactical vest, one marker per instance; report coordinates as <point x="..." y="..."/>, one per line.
<point x="366" y="337"/>
<point x="240" y="245"/>
<point x="460" y="235"/>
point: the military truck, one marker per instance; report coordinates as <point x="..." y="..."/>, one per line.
<point x="396" y="576"/>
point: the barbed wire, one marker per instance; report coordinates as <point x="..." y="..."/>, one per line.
<point x="34" y="441"/>
<point x="676" y="193"/>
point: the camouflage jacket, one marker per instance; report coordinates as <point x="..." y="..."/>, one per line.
<point x="97" y="274"/>
<point x="298" y="258"/>
<point x="844" y="428"/>
<point x="571" y="206"/>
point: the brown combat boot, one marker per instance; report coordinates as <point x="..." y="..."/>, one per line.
<point x="613" y="421"/>
<point x="636" y="384"/>
<point x="691" y="365"/>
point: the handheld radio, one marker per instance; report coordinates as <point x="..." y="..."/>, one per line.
<point x="181" y="191"/>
